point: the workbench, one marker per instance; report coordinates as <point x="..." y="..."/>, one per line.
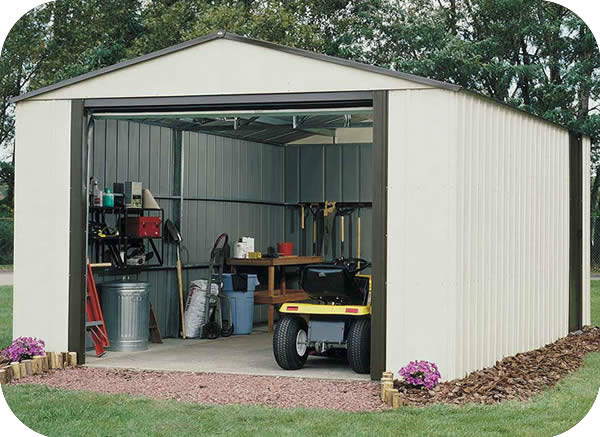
<point x="272" y="296"/>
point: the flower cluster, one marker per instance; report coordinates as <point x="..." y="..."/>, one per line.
<point x="24" y="348"/>
<point x="421" y="374"/>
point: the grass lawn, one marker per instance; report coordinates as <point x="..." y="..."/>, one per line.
<point x="5" y="315"/>
<point x="61" y="413"/>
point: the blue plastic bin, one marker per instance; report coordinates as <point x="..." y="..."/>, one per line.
<point x="242" y="304"/>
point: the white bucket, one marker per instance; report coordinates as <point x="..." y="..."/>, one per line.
<point x="240" y="250"/>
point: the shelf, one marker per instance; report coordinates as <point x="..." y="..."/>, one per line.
<point x="120" y="209"/>
<point x="125" y="237"/>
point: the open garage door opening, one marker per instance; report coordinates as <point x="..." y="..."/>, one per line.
<point x="274" y="205"/>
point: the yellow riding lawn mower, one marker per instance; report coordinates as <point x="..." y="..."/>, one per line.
<point x="337" y="320"/>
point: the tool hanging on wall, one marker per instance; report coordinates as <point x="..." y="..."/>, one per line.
<point x="329" y="212"/>
<point x="302" y="232"/>
<point x="342" y="236"/>
<point x="315" y="210"/>
<point x="358" y="238"/>
<point x="176" y="237"/>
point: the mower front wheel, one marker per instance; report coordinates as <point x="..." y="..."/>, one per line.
<point x="290" y="343"/>
<point x="359" y="345"/>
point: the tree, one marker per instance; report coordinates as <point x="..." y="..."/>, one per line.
<point x="23" y="54"/>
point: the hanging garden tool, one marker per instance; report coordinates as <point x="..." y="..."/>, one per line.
<point x="358" y="238"/>
<point x="302" y="232"/>
<point x="176" y="237"/>
<point x="342" y="236"/>
<point x="315" y="210"/>
<point x="329" y="212"/>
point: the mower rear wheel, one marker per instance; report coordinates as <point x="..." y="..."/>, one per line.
<point x="289" y="343"/>
<point x="359" y="345"/>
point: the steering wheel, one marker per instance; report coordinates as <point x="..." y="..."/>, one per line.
<point x="351" y="264"/>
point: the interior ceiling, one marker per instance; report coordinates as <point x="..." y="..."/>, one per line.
<point x="270" y="128"/>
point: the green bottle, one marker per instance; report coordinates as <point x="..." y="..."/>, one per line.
<point x="108" y="199"/>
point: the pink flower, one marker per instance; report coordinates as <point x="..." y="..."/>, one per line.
<point x="24" y="348"/>
<point x="420" y="374"/>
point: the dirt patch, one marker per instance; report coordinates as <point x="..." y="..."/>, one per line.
<point x="519" y="377"/>
<point x="219" y="389"/>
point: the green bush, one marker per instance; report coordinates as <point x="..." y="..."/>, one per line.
<point x="6" y="241"/>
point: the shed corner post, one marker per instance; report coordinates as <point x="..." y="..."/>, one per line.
<point x="576" y="162"/>
<point x="77" y="231"/>
<point x="380" y="211"/>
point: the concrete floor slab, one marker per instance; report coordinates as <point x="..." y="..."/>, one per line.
<point x="238" y="354"/>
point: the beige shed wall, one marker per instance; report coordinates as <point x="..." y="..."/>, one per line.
<point x="421" y="279"/>
<point x="223" y="66"/>
<point x="41" y="277"/>
<point x="513" y="233"/>
<point x="478" y="231"/>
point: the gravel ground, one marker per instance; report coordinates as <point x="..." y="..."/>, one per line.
<point x="219" y="389"/>
<point x="518" y="378"/>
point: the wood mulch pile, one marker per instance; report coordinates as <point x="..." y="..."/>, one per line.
<point x="518" y="377"/>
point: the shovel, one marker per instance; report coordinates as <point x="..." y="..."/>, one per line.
<point x="176" y="237"/>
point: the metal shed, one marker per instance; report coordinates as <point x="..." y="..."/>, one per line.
<point x="478" y="213"/>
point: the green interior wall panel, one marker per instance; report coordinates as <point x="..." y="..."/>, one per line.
<point x="292" y="174"/>
<point x="351" y="173"/>
<point x="216" y="168"/>
<point x="333" y="171"/>
<point x="311" y="173"/>
<point x="347" y="175"/>
<point x="366" y="173"/>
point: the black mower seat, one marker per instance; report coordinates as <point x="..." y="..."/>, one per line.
<point x="330" y="281"/>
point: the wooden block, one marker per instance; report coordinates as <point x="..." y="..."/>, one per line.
<point x="7" y="372"/>
<point x="397" y="400"/>
<point x="388" y="395"/>
<point x="51" y="360"/>
<point x="387" y="375"/>
<point x="65" y="359"/>
<point x="45" y="363"/>
<point x="386" y="385"/>
<point x="72" y="358"/>
<point x="28" y="367"/>
<point x="3" y="377"/>
<point x="36" y="365"/>
<point x="22" y="370"/>
<point x="16" y="370"/>
<point x="58" y="360"/>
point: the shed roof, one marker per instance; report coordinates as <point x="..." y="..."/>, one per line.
<point x="233" y="37"/>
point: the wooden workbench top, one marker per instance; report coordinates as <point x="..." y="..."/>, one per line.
<point x="281" y="261"/>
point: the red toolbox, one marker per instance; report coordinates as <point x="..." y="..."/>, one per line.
<point x="144" y="226"/>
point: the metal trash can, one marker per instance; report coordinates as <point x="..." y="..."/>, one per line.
<point x="126" y="310"/>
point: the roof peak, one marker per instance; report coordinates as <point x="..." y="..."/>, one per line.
<point x="223" y="34"/>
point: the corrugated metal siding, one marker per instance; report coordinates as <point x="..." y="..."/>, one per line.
<point x="421" y="287"/>
<point x="42" y="208"/>
<point x="332" y="172"/>
<point x="478" y="231"/>
<point x="217" y="172"/>
<point x="512" y="233"/>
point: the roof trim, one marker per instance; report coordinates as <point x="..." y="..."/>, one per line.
<point x="246" y="40"/>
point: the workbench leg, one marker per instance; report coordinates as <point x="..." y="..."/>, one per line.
<point x="283" y="283"/>
<point x="271" y="292"/>
<point x="271" y="282"/>
<point x="271" y="316"/>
